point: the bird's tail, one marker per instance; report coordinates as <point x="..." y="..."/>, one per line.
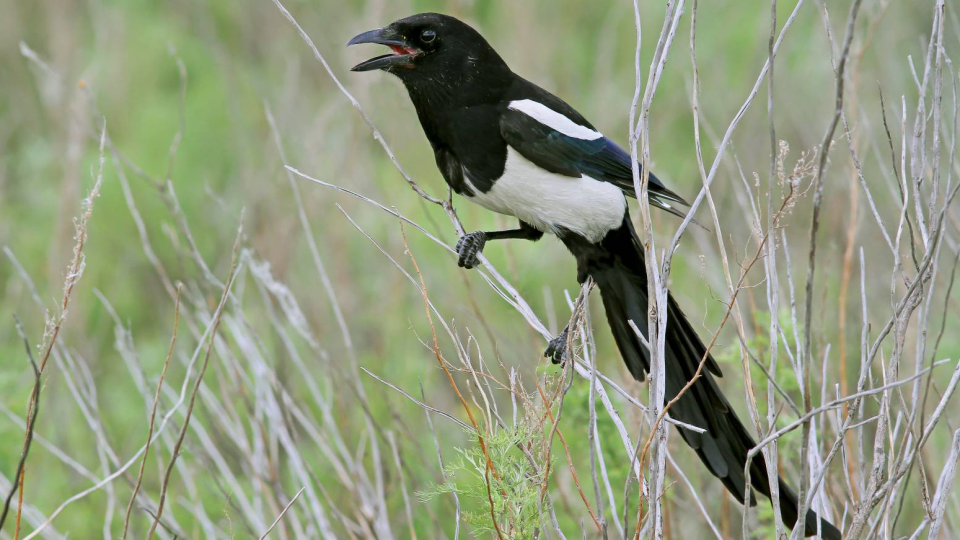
<point x="616" y="264"/>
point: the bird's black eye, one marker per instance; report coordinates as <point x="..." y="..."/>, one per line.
<point x="428" y="36"/>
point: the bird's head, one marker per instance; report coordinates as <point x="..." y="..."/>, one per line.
<point x="431" y="48"/>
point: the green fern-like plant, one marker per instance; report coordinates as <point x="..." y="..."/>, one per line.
<point x="515" y="489"/>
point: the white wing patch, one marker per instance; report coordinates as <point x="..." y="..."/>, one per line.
<point x="551" y="118"/>
<point x="551" y="202"/>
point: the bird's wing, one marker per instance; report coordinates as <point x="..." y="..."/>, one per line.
<point x="561" y="145"/>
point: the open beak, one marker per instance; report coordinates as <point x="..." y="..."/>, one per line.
<point x="401" y="57"/>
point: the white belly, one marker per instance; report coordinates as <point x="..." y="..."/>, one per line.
<point x="549" y="201"/>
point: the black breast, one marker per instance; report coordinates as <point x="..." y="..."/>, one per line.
<point x="475" y="139"/>
<point x="464" y="138"/>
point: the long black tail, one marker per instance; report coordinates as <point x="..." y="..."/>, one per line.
<point x="617" y="266"/>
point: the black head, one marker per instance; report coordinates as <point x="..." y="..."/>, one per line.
<point x="431" y="48"/>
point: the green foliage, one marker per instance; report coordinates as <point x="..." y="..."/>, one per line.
<point x="515" y="489"/>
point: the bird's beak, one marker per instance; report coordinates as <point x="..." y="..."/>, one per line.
<point x="402" y="55"/>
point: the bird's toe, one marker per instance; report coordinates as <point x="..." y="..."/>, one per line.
<point x="470" y="261"/>
<point x="468" y="247"/>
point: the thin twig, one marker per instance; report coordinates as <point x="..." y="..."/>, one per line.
<point x="285" y="508"/>
<point x="489" y="466"/>
<point x="32" y="421"/>
<point x="153" y="412"/>
<point x="196" y="387"/>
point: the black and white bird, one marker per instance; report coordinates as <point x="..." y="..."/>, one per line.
<point x="516" y="149"/>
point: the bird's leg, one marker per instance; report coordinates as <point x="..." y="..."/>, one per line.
<point x="557" y="348"/>
<point x="471" y="244"/>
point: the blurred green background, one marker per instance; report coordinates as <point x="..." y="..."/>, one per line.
<point x="117" y="60"/>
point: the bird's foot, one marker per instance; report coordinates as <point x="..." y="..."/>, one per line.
<point x="468" y="247"/>
<point x="557" y="348"/>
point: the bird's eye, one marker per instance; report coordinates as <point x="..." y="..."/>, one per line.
<point x="428" y="36"/>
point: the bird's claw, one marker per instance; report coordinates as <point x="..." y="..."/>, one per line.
<point x="468" y="247"/>
<point x="557" y="348"/>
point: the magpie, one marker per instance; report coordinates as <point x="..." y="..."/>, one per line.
<point x="508" y="145"/>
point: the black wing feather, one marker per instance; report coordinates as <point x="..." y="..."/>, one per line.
<point x="601" y="158"/>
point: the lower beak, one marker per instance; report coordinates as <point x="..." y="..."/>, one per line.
<point x="402" y="55"/>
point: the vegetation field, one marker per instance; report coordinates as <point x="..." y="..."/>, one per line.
<point x="220" y="296"/>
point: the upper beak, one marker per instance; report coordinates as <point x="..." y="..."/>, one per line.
<point x="402" y="56"/>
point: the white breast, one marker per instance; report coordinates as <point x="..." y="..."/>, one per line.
<point x="549" y="201"/>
